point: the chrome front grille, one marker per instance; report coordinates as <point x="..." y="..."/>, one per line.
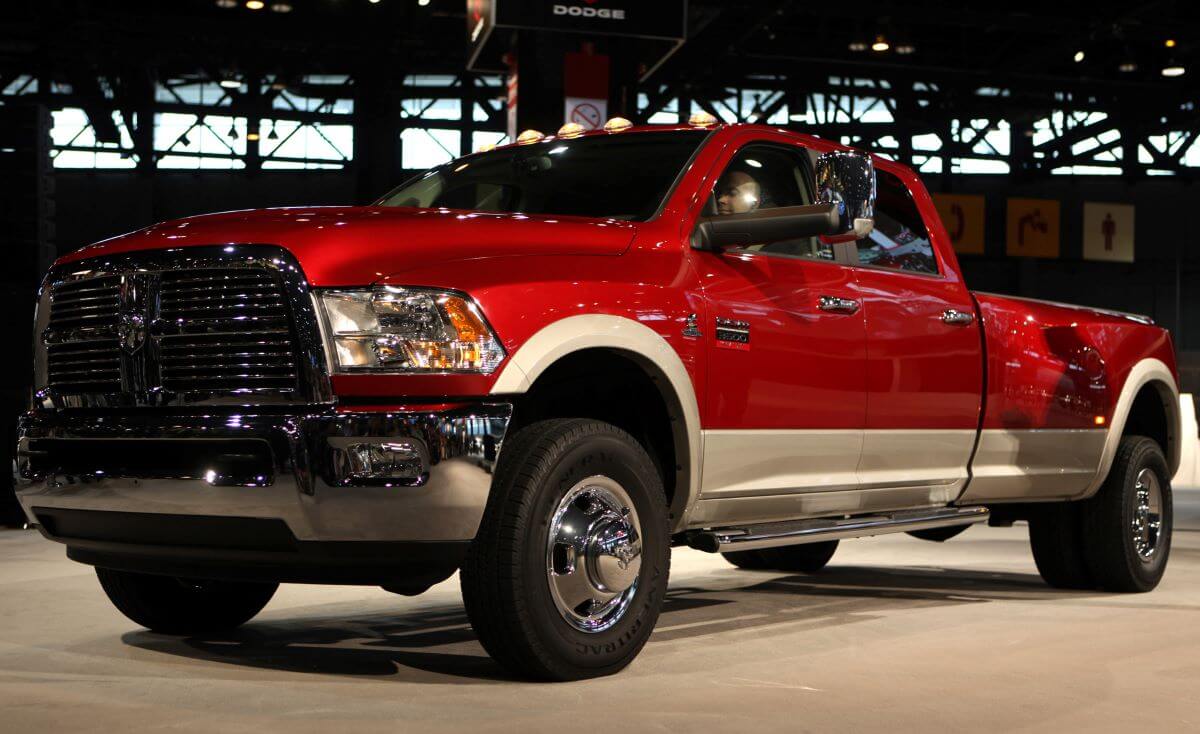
<point x="82" y="305"/>
<point x="233" y="331"/>
<point x="88" y="365"/>
<point x="206" y="324"/>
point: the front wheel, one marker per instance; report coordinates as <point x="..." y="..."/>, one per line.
<point x="568" y="571"/>
<point x="177" y="606"/>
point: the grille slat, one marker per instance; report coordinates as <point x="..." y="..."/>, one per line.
<point x="228" y="330"/>
<point x="79" y="310"/>
<point x="91" y="365"/>
<point x="235" y="328"/>
<point x="88" y="304"/>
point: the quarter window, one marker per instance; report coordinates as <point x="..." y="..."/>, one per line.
<point x="899" y="240"/>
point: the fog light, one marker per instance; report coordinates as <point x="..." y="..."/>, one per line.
<point x="380" y="461"/>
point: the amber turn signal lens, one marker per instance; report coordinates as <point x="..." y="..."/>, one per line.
<point x="466" y="323"/>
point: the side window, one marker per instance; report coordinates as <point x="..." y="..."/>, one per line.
<point x="764" y="176"/>
<point x="899" y="240"/>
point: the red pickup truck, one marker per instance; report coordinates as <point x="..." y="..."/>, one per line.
<point x="546" y="364"/>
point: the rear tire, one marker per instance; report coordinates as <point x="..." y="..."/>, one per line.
<point x="1056" y="537"/>
<point x="550" y="582"/>
<point x="1128" y="522"/>
<point x="174" y="606"/>
<point x="805" y="558"/>
<point x="751" y="560"/>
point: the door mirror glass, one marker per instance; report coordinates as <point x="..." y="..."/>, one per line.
<point x="846" y="179"/>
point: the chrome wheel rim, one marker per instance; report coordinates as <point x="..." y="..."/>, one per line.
<point x="594" y="554"/>
<point x="1146" y="527"/>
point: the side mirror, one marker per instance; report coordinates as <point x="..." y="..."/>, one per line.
<point x="765" y="226"/>
<point x="846" y="179"/>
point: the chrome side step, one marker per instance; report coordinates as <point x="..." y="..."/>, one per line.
<point x="794" y="532"/>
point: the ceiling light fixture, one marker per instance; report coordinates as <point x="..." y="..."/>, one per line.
<point x="858" y="46"/>
<point x="880" y="44"/>
<point x="1169" y="43"/>
<point x="230" y="83"/>
<point x="233" y="133"/>
<point x="1127" y="67"/>
<point x="255" y="4"/>
<point x="1173" y="69"/>
<point x="272" y="135"/>
<point x="252" y="136"/>
<point x="906" y="49"/>
<point x="226" y="3"/>
<point x="422" y="2"/>
<point x="281" y="7"/>
<point x="1079" y="56"/>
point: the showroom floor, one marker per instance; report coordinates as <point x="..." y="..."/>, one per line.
<point x="898" y="635"/>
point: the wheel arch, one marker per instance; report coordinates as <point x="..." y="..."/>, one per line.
<point x="627" y="339"/>
<point x="1148" y="405"/>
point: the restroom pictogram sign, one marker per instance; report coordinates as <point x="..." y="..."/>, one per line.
<point x="1108" y="231"/>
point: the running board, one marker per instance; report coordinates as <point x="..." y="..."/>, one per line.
<point x="794" y="532"/>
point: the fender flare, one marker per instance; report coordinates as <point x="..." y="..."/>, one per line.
<point x="602" y="331"/>
<point x="1149" y="371"/>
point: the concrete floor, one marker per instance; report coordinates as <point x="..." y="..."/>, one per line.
<point x="897" y="635"/>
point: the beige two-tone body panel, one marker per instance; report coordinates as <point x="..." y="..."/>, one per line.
<point x="1057" y="464"/>
<point x="739" y="476"/>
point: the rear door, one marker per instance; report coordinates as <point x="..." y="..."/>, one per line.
<point x="924" y="354"/>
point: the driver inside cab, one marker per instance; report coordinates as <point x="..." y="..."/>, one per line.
<point x="738" y="193"/>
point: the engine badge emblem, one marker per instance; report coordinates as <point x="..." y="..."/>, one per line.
<point x="131" y="331"/>
<point x="131" y="320"/>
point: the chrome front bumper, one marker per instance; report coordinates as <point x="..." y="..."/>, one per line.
<point x="309" y="470"/>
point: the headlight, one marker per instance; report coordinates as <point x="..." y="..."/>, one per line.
<point x="389" y="329"/>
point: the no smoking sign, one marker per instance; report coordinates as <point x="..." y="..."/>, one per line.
<point x="590" y="113"/>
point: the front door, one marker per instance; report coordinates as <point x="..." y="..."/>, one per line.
<point x="786" y="346"/>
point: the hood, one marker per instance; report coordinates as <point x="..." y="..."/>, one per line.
<point x="351" y="246"/>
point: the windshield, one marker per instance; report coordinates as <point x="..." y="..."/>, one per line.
<point x="605" y="176"/>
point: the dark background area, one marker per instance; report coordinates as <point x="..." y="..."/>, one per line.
<point x="948" y="71"/>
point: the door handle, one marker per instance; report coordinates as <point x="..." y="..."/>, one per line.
<point x="834" y="304"/>
<point x="954" y="317"/>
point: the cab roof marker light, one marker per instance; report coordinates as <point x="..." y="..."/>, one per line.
<point x="571" y="130"/>
<point x="702" y="119"/>
<point x="529" y="137"/>
<point x="617" y="124"/>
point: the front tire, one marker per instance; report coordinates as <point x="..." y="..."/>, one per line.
<point x="566" y="576"/>
<point x="175" y="606"/>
